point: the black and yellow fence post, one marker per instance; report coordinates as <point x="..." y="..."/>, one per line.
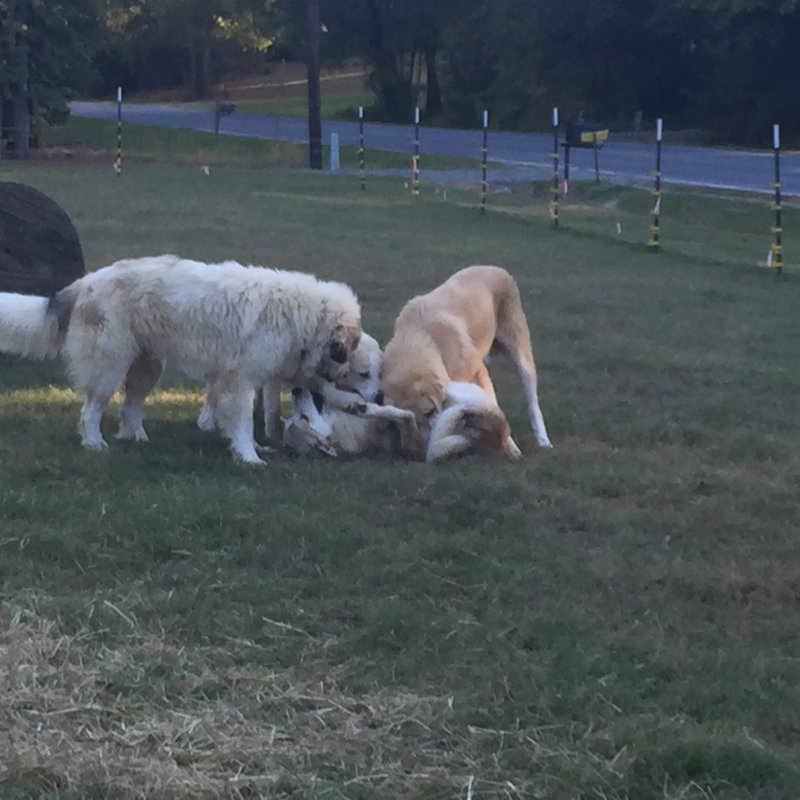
<point x="776" y="252"/>
<point x="415" y="156"/>
<point x="554" y="201"/>
<point x="484" y="161"/>
<point x="655" y="228"/>
<point x="118" y="160"/>
<point x="361" y="169"/>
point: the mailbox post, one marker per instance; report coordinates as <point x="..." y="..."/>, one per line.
<point x="222" y="110"/>
<point x="584" y="135"/>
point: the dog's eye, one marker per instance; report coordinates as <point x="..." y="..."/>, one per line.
<point x="363" y="375"/>
<point x="429" y="414"/>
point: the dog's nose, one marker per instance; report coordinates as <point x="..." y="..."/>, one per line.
<point x="379" y="397"/>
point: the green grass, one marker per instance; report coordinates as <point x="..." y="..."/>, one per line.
<point x="613" y="619"/>
<point x="97" y="139"/>
<point x="332" y="106"/>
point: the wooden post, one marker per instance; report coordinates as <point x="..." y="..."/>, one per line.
<point x="655" y="228"/>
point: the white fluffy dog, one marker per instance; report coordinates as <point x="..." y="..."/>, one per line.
<point x="358" y="382"/>
<point x="233" y="327"/>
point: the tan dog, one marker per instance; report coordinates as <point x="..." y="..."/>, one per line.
<point x="447" y="334"/>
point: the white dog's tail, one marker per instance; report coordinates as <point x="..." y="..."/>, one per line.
<point x="35" y="326"/>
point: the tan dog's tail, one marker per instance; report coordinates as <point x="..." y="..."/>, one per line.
<point x="35" y="326"/>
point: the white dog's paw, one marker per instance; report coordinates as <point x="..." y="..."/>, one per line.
<point x="266" y="449"/>
<point x="249" y="459"/>
<point x="206" y="421"/>
<point x="127" y="435"/>
<point x="546" y="443"/>
<point x="512" y="451"/>
<point x="98" y="445"/>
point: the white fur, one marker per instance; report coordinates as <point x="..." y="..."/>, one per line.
<point x="351" y="430"/>
<point x="232" y="327"/>
<point x="25" y="328"/>
<point x="361" y="374"/>
<point x="451" y="431"/>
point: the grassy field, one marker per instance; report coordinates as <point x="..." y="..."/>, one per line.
<point x="96" y="140"/>
<point x="614" y="619"/>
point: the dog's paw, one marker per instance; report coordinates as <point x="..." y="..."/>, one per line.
<point x="357" y="408"/>
<point x="98" y="446"/>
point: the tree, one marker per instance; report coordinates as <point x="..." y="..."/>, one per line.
<point x="313" y="32"/>
<point x="45" y="53"/>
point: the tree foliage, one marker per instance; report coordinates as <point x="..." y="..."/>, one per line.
<point x="727" y="66"/>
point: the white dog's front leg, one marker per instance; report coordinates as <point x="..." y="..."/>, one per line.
<point x="233" y="408"/>
<point x="271" y="395"/>
<point x="342" y="399"/>
<point x="207" y="421"/>
<point x="91" y="417"/>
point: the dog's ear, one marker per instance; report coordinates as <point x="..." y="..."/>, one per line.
<point x="343" y="342"/>
<point x="338" y="352"/>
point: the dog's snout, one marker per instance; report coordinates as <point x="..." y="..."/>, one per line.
<point x="379" y="398"/>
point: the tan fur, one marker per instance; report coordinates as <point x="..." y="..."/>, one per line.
<point x="445" y="336"/>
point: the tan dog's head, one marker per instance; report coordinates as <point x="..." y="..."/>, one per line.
<point x="422" y="393"/>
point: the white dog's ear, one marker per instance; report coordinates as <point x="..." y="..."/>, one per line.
<point x="343" y="342"/>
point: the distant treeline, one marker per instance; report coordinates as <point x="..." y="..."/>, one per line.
<point x="728" y="67"/>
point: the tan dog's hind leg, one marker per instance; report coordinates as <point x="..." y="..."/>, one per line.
<point x="513" y="336"/>
<point x="483" y="380"/>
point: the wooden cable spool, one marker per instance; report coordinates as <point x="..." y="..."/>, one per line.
<point x="40" y="251"/>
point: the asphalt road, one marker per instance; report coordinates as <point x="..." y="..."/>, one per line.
<point x="526" y="156"/>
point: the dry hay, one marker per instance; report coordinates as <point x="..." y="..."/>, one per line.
<point x="69" y="723"/>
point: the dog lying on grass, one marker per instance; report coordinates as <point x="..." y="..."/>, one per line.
<point x="470" y="422"/>
<point x="233" y="327"/>
<point x="445" y="336"/>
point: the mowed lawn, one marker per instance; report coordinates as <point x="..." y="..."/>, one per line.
<point x="613" y="619"/>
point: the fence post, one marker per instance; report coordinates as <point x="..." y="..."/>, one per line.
<point x="415" y="156"/>
<point x="484" y="155"/>
<point x="777" y="248"/>
<point x="118" y="161"/>
<point x="655" y="228"/>
<point x="361" y="169"/>
<point x="554" y="201"/>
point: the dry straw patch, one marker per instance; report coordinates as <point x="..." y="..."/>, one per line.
<point x="220" y="729"/>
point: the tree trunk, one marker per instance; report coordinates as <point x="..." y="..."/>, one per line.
<point x="433" y="97"/>
<point x="20" y="113"/>
<point x="313" y="28"/>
